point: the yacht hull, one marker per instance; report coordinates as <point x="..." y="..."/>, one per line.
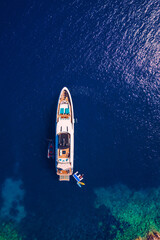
<point x="64" y="147"/>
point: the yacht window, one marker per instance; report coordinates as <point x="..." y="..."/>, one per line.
<point x="63" y="140"/>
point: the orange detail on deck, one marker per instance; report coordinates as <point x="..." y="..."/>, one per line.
<point x="64" y="172"/>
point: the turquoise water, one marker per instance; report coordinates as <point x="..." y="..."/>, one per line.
<point x="107" y="54"/>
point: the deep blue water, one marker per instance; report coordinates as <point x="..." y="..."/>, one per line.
<point x="108" y="54"/>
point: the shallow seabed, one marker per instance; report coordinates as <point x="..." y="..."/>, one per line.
<point x="107" y="53"/>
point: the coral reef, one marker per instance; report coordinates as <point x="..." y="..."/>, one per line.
<point x="136" y="211"/>
<point x="8" y="232"/>
<point x="13" y="194"/>
<point x="154" y="235"/>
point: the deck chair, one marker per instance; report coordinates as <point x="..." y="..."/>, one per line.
<point x="61" y="110"/>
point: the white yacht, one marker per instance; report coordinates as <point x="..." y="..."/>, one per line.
<point x="64" y="147"/>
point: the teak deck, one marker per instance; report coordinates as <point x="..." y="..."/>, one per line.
<point x="61" y="153"/>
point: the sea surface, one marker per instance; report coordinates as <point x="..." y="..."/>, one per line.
<point x="107" y="52"/>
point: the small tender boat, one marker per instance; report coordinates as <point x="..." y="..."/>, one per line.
<point x="50" y="153"/>
<point x="64" y="147"/>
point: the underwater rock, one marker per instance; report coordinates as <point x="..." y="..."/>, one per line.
<point x="13" y="195"/>
<point x="153" y="235"/>
<point x="9" y="232"/>
<point x="136" y="211"/>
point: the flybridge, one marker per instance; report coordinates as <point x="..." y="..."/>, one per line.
<point x="63" y="140"/>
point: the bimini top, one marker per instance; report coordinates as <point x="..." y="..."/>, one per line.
<point x="63" y="140"/>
